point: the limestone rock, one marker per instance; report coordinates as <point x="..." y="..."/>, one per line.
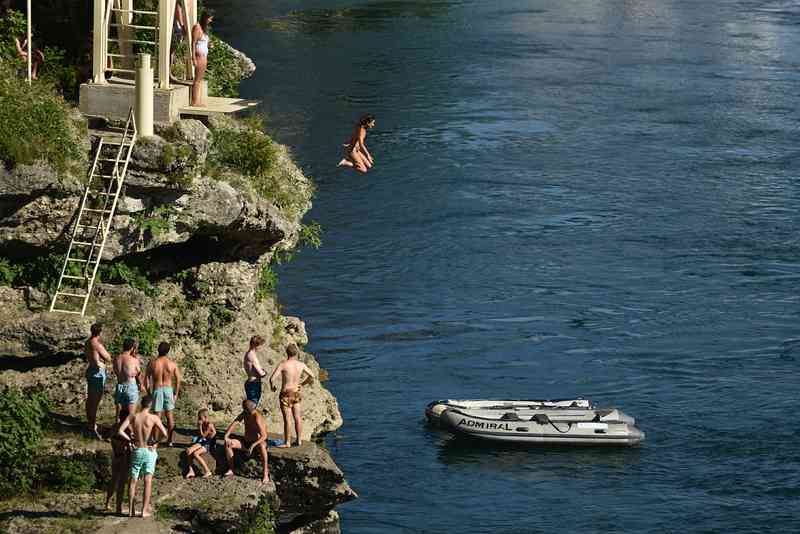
<point x="306" y="478"/>
<point x="326" y="524"/>
<point x="24" y="334"/>
<point x="34" y="180"/>
<point x="229" y="284"/>
<point x="296" y="330"/>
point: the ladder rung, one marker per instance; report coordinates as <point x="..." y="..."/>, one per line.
<point x="137" y="41"/>
<point x="96" y="211"/>
<point x="130" y="56"/>
<point x="101" y="192"/>
<point x="75" y="277"/>
<point x="89" y="227"/>
<point x="112" y="69"/>
<point x="110" y="141"/>
<point x="72" y="294"/>
<point x="78" y="259"/>
<point x="108" y="159"/>
<point x="105" y="176"/>
<point x="85" y="243"/>
<point x="66" y="311"/>
<point x="134" y="26"/>
<point x="138" y="12"/>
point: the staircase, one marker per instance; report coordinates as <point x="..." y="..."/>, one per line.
<point x="93" y="222"/>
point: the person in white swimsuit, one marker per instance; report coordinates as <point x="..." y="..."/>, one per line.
<point x="201" y="46"/>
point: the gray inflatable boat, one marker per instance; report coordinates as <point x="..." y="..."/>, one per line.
<point x="566" y="422"/>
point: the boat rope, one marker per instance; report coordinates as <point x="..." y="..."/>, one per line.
<point x="569" y="427"/>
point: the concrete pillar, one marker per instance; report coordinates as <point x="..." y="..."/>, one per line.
<point x="143" y="110"/>
<point x="166" y="12"/>
<point x="98" y="42"/>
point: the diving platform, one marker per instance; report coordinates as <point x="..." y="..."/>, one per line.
<point x="124" y="30"/>
<point x="216" y="105"/>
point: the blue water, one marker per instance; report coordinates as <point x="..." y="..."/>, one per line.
<point x="570" y="198"/>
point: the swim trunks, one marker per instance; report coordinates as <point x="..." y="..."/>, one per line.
<point x="290" y="398"/>
<point x="96" y="379"/>
<point x="252" y="390"/>
<point x="163" y="399"/>
<point x="207" y="443"/>
<point x="127" y="393"/>
<point x="143" y="458"/>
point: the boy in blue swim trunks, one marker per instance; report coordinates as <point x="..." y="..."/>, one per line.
<point x="160" y="374"/>
<point x="97" y="357"/>
<point x="127" y="368"/>
<point x="143" y="455"/>
<point x="252" y="387"/>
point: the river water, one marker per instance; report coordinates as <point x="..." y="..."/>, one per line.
<point x="570" y="198"/>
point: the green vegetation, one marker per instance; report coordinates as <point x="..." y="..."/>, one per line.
<point x="154" y="222"/>
<point x="146" y="332"/>
<point x="311" y="234"/>
<point x="248" y="151"/>
<point x="66" y="475"/>
<point x="242" y="147"/>
<point x="225" y="70"/>
<point x="263" y="521"/>
<point x="166" y="513"/>
<point x="22" y="416"/>
<point x="218" y="318"/>
<point x="267" y="283"/>
<point x="120" y="273"/>
<point x="40" y="272"/>
<point x="38" y="125"/>
<point x="11" y="26"/>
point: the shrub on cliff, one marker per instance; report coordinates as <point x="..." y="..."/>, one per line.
<point x="22" y="416"/>
<point x="35" y="124"/>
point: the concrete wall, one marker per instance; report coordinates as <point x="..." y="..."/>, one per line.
<point x="113" y="101"/>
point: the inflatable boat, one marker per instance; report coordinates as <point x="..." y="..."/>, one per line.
<point x="568" y="421"/>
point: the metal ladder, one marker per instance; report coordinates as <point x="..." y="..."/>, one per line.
<point x="93" y="223"/>
<point x="124" y="16"/>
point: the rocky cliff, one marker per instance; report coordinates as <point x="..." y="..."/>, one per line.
<point x="206" y="211"/>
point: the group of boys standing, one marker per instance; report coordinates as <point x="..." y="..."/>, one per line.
<point x="138" y="432"/>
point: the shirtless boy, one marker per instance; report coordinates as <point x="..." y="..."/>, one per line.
<point x="160" y="374"/>
<point x="252" y="387"/>
<point x="97" y="357"/>
<point x="144" y="455"/>
<point x="255" y="436"/>
<point x="291" y="372"/>
<point x="127" y="367"/>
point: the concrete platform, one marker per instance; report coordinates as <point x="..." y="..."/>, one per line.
<point x="114" y="100"/>
<point x="216" y="105"/>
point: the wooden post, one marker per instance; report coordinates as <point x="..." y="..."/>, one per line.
<point x="166" y="12"/>
<point x="30" y="48"/>
<point x="98" y="42"/>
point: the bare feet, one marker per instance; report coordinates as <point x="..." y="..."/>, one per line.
<point x="145" y="515"/>
<point x="208" y="474"/>
<point x="283" y="445"/>
<point x="190" y="474"/>
<point x="228" y="473"/>
<point x="264" y="481"/>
